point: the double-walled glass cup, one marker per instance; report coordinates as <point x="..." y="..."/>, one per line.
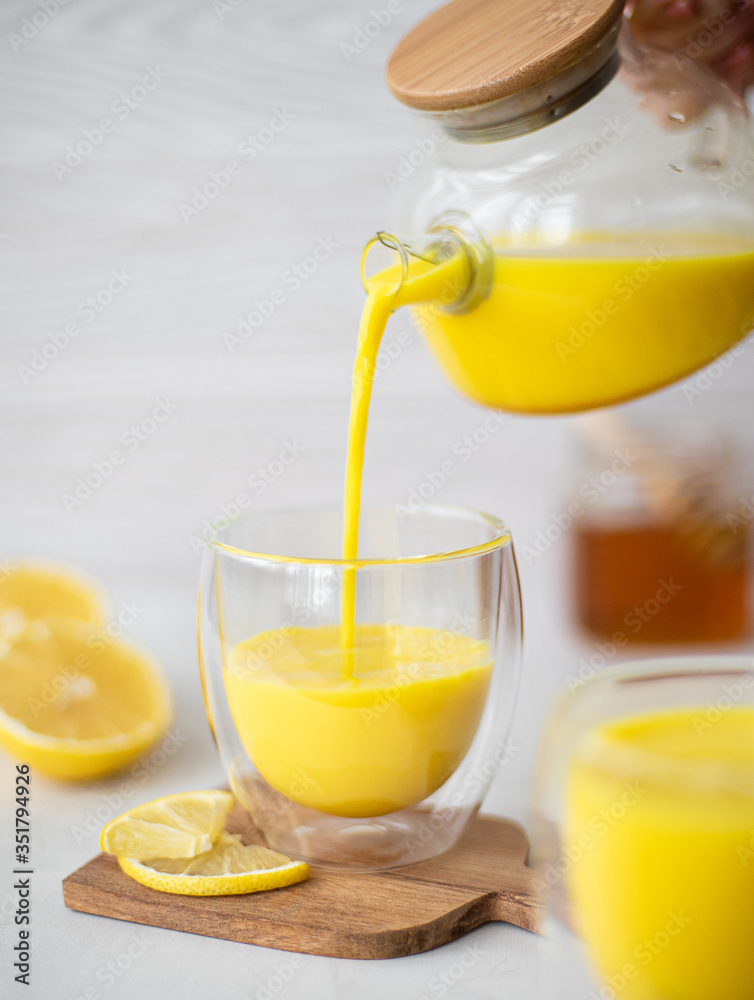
<point x="377" y="756"/>
<point x="643" y="831"/>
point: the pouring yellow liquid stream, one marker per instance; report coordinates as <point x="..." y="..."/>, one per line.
<point x="387" y="290"/>
<point x="362" y="720"/>
<point x="659" y="827"/>
<point x="573" y="327"/>
<point x="320" y="719"/>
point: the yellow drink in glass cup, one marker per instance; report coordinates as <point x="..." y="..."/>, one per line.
<point x="379" y="741"/>
<point x="376" y="754"/>
<point x="655" y="859"/>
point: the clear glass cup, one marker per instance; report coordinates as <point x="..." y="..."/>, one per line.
<point x="643" y="831"/>
<point x="385" y="766"/>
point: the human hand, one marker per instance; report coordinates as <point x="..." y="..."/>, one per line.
<point x="717" y="33"/>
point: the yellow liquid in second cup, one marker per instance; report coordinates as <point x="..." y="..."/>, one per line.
<point x="660" y="824"/>
<point x="358" y="747"/>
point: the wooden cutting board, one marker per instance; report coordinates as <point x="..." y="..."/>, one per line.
<point x="342" y="915"/>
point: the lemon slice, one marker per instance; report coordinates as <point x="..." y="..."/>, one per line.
<point x="176" y="826"/>
<point x="32" y="590"/>
<point x="228" y="868"/>
<point x="75" y="706"/>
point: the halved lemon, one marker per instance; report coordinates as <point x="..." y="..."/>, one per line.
<point x="74" y="705"/>
<point x="228" y="868"/>
<point x="176" y="826"/>
<point x="31" y="590"/>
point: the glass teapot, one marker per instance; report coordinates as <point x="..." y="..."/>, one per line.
<point x="597" y="199"/>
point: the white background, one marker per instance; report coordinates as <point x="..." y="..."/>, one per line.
<point x="226" y="73"/>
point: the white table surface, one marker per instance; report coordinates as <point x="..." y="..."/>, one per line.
<point x="225" y="69"/>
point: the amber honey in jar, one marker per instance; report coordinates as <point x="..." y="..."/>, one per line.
<point x="657" y="557"/>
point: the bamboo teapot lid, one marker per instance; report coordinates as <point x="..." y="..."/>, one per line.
<point x="471" y="53"/>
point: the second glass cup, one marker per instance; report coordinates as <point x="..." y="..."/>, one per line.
<point x="377" y="756"/>
<point x="643" y="832"/>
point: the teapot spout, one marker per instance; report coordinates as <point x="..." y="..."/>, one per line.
<point x="451" y="265"/>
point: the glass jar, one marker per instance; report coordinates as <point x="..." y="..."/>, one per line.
<point x="658" y="554"/>
<point x="607" y="210"/>
<point x="642" y="829"/>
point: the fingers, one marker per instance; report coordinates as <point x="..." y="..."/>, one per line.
<point x="664" y="24"/>
<point x="716" y="33"/>
<point x="737" y="66"/>
<point x="671" y="100"/>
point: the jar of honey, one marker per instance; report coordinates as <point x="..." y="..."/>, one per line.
<point x="660" y="553"/>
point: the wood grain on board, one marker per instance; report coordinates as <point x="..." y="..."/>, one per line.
<point x="341" y="914"/>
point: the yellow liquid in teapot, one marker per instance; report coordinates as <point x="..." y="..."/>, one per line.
<point x="592" y="324"/>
